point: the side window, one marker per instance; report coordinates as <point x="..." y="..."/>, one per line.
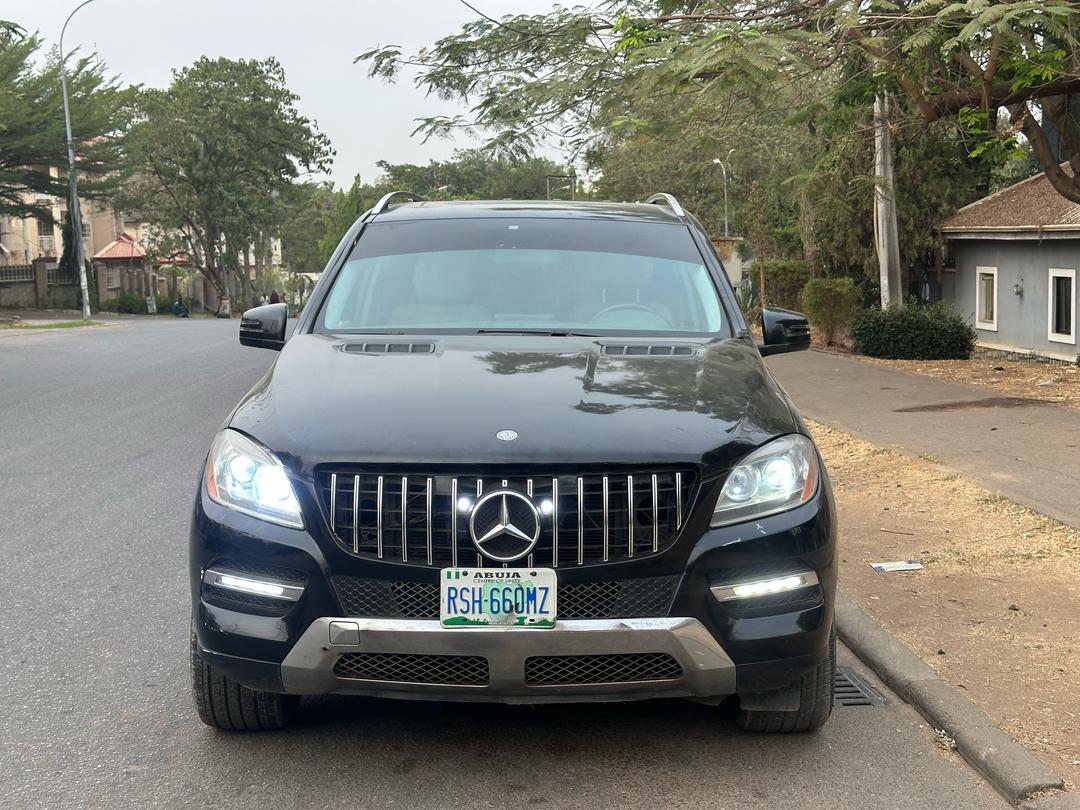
<point x="986" y="298"/>
<point x="1061" y="306"/>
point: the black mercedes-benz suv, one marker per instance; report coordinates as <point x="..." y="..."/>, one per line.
<point x="518" y="452"/>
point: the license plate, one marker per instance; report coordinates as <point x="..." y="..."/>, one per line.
<point x="508" y="597"/>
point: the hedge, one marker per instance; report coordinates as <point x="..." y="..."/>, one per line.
<point x="829" y="303"/>
<point x="913" y="332"/>
<point x="784" y="282"/>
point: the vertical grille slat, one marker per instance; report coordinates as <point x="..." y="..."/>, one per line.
<point x="413" y="516"/>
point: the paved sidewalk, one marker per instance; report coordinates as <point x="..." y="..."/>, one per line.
<point x="1028" y="451"/>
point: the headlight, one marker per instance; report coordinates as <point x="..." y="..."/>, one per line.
<point x="245" y="476"/>
<point x="778" y="476"/>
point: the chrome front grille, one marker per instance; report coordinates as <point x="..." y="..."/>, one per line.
<point x="421" y="517"/>
<point x="646" y="597"/>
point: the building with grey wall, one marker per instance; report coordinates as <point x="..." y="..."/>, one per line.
<point x="1014" y="257"/>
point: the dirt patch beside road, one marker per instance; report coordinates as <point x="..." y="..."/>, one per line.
<point x="1056" y="383"/>
<point x="996" y="610"/>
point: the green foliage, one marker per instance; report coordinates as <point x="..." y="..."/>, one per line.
<point x="306" y="208"/>
<point x="748" y="299"/>
<point x="784" y="282"/>
<point x="32" y="137"/>
<point x="829" y="303"/>
<point x="913" y="332"/>
<point x="214" y="153"/>
<point x="576" y="72"/>
<point x="131" y="304"/>
<point x="346" y="209"/>
<point x="163" y="304"/>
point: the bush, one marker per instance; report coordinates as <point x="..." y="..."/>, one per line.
<point x="784" y="281"/>
<point x="913" y="332"/>
<point x="163" y="304"/>
<point x="131" y="303"/>
<point x="829" y="303"/>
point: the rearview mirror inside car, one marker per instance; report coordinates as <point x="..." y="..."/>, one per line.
<point x="264" y="327"/>
<point x="783" y="331"/>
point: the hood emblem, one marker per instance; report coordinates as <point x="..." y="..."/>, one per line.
<point x="505" y="525"/>
<point x="506" y="435"/>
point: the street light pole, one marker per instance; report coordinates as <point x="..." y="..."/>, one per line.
<point x="74" y="214"/>
<point x="723" y="169"/>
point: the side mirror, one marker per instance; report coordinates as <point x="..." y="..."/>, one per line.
<point x="264" y="327"/>
<point x="783" y="331"/>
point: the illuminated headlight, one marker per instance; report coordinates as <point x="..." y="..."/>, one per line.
<point x="245" y="476"/>
<point x="777" y="476"/>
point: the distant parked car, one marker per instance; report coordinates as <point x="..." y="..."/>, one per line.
<point x="518" y="452"/>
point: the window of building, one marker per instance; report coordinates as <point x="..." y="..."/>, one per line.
<point x="1061" y="309"/>
<point x="986" y="298"/>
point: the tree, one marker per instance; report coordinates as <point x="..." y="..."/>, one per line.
<point x="347" y="208"/>
<point x="571" y="72"/>
<point x="33" y="152"/>
<point x="307" y="207"/>
<point x="214" y="152"/>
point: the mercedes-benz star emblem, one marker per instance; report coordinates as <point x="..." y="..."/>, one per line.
<point x="506" y="435"/>
<point x="504" y="525"/>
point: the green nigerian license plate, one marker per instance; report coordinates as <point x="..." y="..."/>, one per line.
<point x="511" y="597"/>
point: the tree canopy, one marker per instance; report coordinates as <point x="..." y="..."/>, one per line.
<point x="32" y="136"/>
<point x="574" y="72"/>
<point x="213" y="153"/>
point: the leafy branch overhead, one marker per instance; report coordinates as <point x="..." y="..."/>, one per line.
<point x="575" y="72"/>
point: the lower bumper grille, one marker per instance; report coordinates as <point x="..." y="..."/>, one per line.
<point x="564" y="670"/>
<point x="456" y="670"/>
<point x="643" y="598"/>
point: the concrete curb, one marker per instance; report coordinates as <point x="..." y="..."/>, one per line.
<point x="1008" y="766"/>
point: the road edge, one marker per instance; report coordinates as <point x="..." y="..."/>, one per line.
<point x="1013" y="770"/>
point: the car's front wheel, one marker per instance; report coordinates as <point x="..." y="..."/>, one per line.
<point x="815" y="702"/>
<point x="227" y="705"/>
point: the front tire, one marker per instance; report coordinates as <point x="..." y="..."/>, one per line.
<point x="224" y="704"/>
<point x="815" y="702"/>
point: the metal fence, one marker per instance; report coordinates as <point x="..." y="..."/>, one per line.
<point x="58" y="278"/>
<point x="16" y="272"/>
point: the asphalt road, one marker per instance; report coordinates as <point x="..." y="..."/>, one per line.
<point x="1023" y="448"/>
<point x="102" y="432"/>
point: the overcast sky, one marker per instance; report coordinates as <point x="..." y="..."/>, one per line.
<point x="315" y="41"/>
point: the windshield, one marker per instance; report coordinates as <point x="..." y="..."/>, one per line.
<point x="542" y="274"/>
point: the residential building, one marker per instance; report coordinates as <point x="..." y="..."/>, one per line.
<point x="1012" y="269"/>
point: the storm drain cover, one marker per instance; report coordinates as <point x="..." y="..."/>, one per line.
<point x="851" y="689"/>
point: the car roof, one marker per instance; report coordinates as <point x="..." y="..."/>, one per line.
<point x="548" y="209"/>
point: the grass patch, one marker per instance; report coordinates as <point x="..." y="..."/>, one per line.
<point x="56" y="325"/>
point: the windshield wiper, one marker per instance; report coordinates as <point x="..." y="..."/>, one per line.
<point x="542" y="332"/>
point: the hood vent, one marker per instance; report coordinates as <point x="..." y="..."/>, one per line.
<point x="649" y="350"/>
<point x="389" y="348"/>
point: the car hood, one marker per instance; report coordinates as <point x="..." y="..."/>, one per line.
<point x="569" y="400"/>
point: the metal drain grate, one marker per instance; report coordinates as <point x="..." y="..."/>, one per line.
<point x="852" y="689"/>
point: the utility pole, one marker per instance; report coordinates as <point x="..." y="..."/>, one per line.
<point x="74" y="213"/>
<point x="886" y="237"/>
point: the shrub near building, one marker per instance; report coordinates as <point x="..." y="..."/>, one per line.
<point x="829" y="303"/>
<point x="913" y="332"/>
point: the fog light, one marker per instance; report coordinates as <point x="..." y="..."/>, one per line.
<point x="764" y="587"/>
<point x="252" y="584"/>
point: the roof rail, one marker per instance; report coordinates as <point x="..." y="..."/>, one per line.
<point x="668" y="200"/>
<point x="384" y="203"/>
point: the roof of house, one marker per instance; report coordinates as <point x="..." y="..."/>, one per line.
<point x="123" y="247"/>
<point x="1031" y="207"/>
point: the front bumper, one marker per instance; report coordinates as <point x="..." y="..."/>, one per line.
<point x="720" y="647"/>
<point x="703" y="668"/>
